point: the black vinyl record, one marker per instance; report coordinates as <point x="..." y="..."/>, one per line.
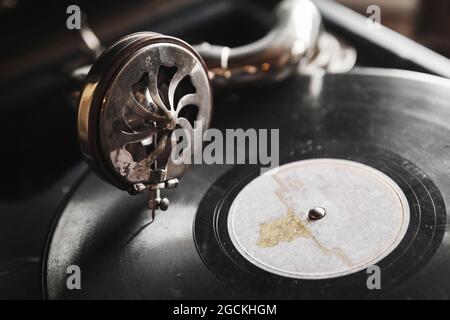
<point x="396" y="122"/>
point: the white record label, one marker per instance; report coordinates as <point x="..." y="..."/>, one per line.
<point x="367" y="216"/>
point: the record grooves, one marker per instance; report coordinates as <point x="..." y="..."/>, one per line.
<point x="396" y="123"/>
<point x="420" y="243"/>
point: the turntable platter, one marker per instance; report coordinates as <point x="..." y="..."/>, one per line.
<point x="392" y="130"/>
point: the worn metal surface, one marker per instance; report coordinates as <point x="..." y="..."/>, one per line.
<point x="129" y="108"/>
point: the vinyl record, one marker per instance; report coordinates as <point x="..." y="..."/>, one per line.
<point x="371" y="148"/>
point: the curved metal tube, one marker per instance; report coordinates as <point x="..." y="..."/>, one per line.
<point x="293" y="38"/>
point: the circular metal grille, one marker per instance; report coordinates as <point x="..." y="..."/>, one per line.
<point x="138" y="92"/>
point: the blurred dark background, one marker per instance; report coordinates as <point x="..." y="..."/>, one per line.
<point x="40" y="155"/>
<point x="425" y="21"/>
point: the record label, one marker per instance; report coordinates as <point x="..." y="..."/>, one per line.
<point x="318" y="219"/>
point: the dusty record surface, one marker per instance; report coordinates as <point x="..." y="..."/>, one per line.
<point x="392" y="131"/>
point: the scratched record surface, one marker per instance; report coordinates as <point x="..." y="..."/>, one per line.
<point x="372" y="148"/>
